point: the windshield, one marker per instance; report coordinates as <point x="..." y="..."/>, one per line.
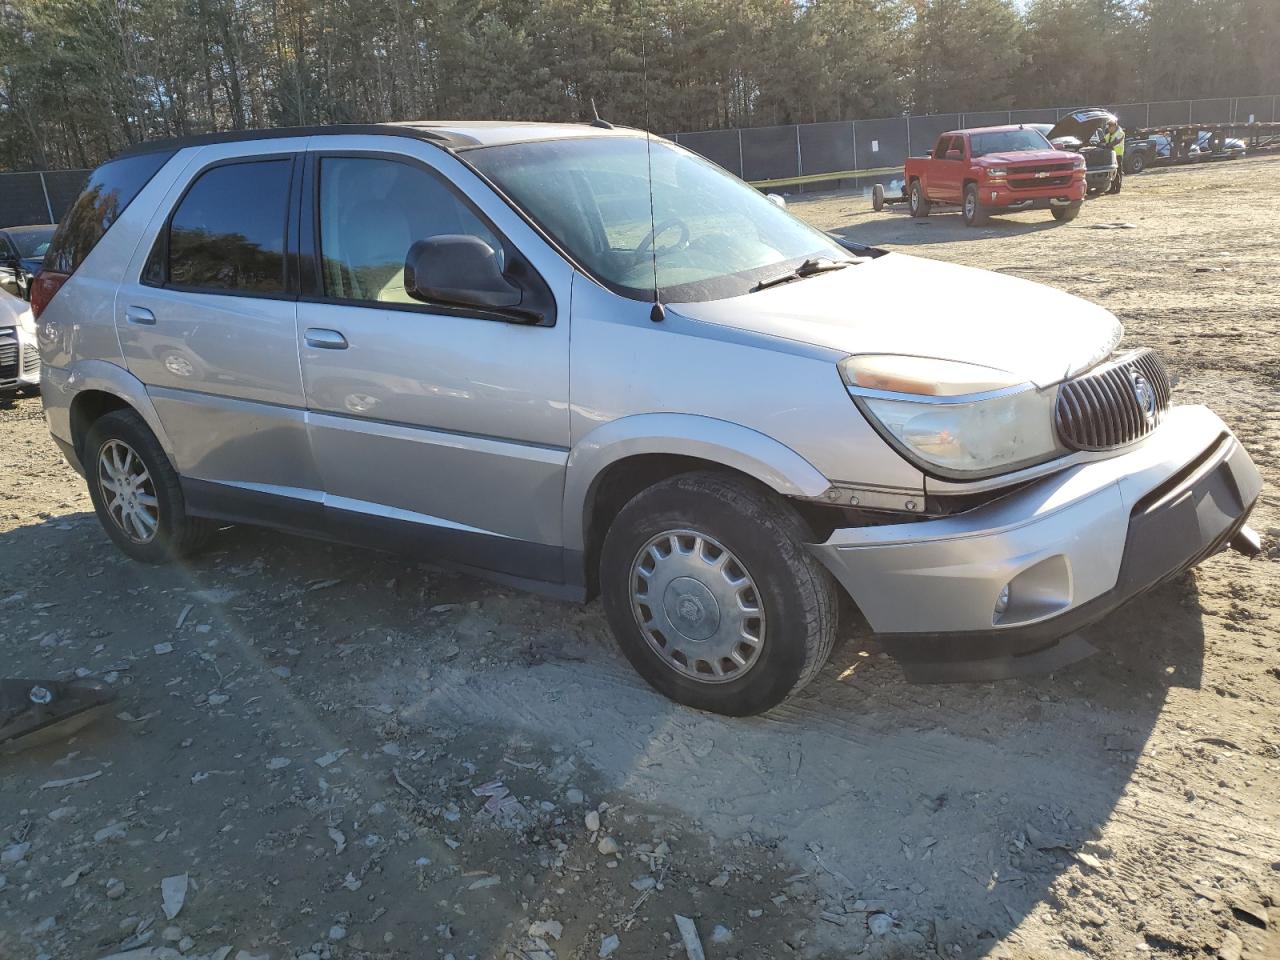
<point x="1007" y="141"/>
<point x="714" y="236"/>
<point x="32" y="244"/>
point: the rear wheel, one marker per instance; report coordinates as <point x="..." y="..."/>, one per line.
<point x="917" y="201"/>
<point x="877" y="197"/>
<point x="1068" y="212"/>
<point x="975" y="215"/>
<point x="713" y="595"/>
<point x="135" y="491"/>
<point x="1138" y="162"/>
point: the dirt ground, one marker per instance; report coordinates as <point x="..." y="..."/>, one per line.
<point x="310" y="734"/>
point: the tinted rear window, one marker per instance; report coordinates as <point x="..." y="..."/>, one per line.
<point x="228" y="231"/>
<point x="110" y="189"/>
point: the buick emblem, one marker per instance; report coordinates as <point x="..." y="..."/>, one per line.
<point x="1145" y="395"/>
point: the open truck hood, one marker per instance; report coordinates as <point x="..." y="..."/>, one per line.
<point x="1082" y="124"/>
<point x="899" y="304"/>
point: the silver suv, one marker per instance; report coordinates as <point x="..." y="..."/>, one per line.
<point x="585" y="362"/>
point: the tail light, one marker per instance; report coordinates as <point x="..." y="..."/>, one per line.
<point x="43" y="287"/>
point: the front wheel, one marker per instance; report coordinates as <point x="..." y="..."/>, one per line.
<point x="975" y="215"/>
<point x="917" y="201"/>
<point x="1067" y="213"/>
<point x="714" y="596"/>
<point x="135" y="491"/>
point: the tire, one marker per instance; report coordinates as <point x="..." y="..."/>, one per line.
<point x="975" y="215"/>
<point x="157" y="492"/>
<point x="676" y="530"/>
<point x="1116" y="182"/>
<point x="917" y="201"/>
<point x="877" y="197"/>
<point x="1138" y="162"/>
<point x="1068" y="213"/>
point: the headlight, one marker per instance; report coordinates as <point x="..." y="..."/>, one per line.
<point x="997" y="173"/>
<point x="956" y="419"/>
<point x="27" y="321"/>
<point x="1078" y="163"/>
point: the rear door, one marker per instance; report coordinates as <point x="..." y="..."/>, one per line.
<point x="206" y="317"/>
<point x="443" y="427"/>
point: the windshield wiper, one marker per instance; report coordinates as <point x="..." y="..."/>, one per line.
<point x="813" y="265"/>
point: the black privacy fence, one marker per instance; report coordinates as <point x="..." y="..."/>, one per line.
<point x="792" y="156"/>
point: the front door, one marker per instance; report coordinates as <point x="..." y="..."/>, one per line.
<point x="431" y="426"/>
<point x="948" y="168"/>
<point x="206" y="318"/>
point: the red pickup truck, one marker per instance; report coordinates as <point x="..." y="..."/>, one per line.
<point x="995" y="168"/>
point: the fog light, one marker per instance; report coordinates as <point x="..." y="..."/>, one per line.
<point x="1002" y="601"/>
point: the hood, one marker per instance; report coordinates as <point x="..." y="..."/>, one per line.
<point x="1082" y="124"/>
<point x="900" y="304"/>
<point x="1025" y="156"/>
<point x="12" y="310"/>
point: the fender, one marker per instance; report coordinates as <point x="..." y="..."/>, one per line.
<point x="689" y="435"/>
<point x="61" y="387"/>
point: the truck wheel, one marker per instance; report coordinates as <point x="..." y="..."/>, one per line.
<point x="877" y="197"/>
<point x="1067" y="213"/>
<point x="713" y="595"/>
<point x="975" y="215"/>
<point x="918" y="202"/>
<point x="1116" y="181"/>
<point x="135" y="491"/>
<point x="1138" y="162"/>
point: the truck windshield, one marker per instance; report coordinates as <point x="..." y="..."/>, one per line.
<point x="1007" y="141"/>
<point x="713" y="235"/>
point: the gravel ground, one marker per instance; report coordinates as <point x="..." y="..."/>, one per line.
<point x="310" y="735"/>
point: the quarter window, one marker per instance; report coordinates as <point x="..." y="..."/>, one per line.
<point x="371" y="212"/>
<point x="228" y="232"/>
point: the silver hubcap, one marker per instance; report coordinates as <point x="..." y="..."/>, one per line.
<point x="697" y="606"/>
<point x="128" y="492"/>
<point x="969" y="205"/>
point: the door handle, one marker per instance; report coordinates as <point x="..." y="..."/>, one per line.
<point x="323" y="339"/>
<point x="140" y="315"/>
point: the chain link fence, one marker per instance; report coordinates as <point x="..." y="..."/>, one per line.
<point x="822" y="152"/>
<point x="797" y="154"/>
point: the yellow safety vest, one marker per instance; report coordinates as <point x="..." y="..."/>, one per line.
<point x="1115" y="141"/>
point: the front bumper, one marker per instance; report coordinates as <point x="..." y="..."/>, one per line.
<point x="1037" y="198"/>
<point x="19" y="360"/>
<point x="1071" y="547"/>
<point x="1099" y="178"/>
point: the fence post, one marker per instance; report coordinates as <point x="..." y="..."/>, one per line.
<point x="47" y="205"/>
<point x="1148" y="114"/>
<point x="799" y="155"/>
<point x="853" y="126"/>
<point x="742" y="169"/>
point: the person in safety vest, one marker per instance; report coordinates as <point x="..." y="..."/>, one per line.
<point x="1114" y="138"/>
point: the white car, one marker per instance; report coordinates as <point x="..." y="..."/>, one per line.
<point x="19" y="354"/>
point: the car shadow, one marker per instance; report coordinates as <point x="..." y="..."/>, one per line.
<point x="955" y="808"/>
<point x="901" y="229"/>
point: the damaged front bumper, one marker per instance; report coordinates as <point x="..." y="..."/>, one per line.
<point x="1013" y="577"/>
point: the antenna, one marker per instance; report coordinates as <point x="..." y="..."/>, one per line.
<point x="657" y="313"/>
<point x="596" y="121"/>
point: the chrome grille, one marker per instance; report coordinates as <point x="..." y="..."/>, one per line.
<point x="8" y="354"/>
<point x="1114" y="404"/>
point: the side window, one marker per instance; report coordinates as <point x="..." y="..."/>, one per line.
<point x="944" y="144"/>
<point x="371" y="212"/>
<point x="228" y="231"/>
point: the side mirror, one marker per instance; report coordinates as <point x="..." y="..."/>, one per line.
<point x="928" y="153"/>
<point x="778" y="200"/>
<point x="458" y="270"/>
